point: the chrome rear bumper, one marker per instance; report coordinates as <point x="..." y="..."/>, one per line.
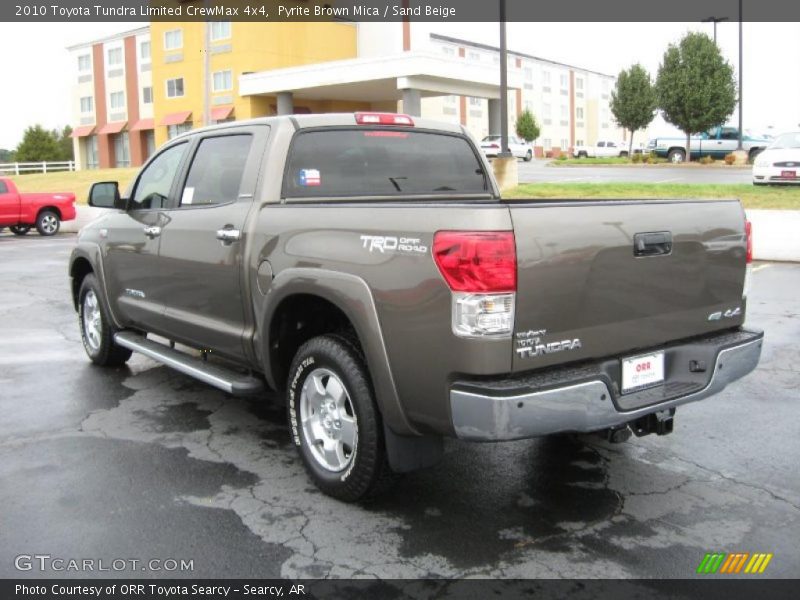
<point x="589" y="405"/>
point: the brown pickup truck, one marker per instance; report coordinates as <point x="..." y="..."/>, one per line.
<point x="367" y="269"/>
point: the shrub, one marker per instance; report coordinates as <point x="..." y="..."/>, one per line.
<point x="652" y="156"/>
<point x="562" y="157"/>
<point x="706" y="160"/>
<point x="730" y="159"/>
<point x="636" y="158"/>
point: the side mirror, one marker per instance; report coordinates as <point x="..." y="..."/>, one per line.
<point x="106" y="195"/>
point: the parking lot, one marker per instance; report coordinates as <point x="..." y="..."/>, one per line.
<point x="540" y="171"/>
<point x="145" y="463"/>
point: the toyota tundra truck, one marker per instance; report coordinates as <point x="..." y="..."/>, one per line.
<point x="365" y="269"/>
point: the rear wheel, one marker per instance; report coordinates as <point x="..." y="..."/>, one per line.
<point x="335" y="421"/>
<point x="47" y="223"/>
<point x="528" y="156"/>
<point x="97" y="330"/>
<point x="20" y="229"/>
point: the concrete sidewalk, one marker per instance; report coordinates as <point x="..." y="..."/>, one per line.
<point x="776" y="233"/>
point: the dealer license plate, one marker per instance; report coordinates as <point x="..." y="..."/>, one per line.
<point x="788" y="174"/>
<point x="642" y="371"/>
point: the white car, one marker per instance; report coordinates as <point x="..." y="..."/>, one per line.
<point x="779" y="162"/>
<point x="490" y="146"/>
<point x="603" y="149"/>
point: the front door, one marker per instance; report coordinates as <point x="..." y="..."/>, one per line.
<point x="132" y="240"/>
<point x="200" y="258"/>
<point x="9" y="206"/>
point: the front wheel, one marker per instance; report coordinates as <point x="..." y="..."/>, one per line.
<point x="47" y="223"/>
<point x="20" y="229"/>
<point x="676" y="155"/>
<point x="335" y="421"/>
<point x="528" y="156"/>
<point x="97" y="331"/>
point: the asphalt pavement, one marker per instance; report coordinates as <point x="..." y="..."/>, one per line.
<point x="144" y="463"/>
<point x="541" y="171"/>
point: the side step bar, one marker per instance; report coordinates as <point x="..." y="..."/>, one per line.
<point x="218" y="376"/>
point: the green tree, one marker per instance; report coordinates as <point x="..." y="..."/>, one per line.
<point x="695" y="87"/>
<point x="38" y="145"/>
<point x="633" y="101"/>
<point x="527" y="127"/>
<point x="6" y="155"/>
<point x="65" y="148"/>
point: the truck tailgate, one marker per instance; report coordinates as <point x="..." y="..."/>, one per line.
<point x="606" y="278"/>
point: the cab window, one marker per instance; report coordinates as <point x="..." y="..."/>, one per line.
<point x="155" y="182"/>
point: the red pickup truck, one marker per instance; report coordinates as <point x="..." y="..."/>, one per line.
<point x="45" y="211"/>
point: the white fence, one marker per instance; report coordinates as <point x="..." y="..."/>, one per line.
<point x="39" y="167"/>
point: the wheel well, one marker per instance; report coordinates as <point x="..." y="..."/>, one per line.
<point x="297" y="319"/>
<point x="678" y="149"/>
<point x="79" y="270"/>
<point x="53" y="208"/>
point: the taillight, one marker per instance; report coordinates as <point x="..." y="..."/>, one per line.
<point x="363" y="118"/>
<point x="481" y="269"/>
<point x="748" y="230"/>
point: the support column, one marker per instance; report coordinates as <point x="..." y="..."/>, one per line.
<point x="494" y="116"/>
<point x="285" y="103"/>
<point x="412" y="102"/>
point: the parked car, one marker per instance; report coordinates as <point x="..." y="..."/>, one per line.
<point x="45" y="211"/>
<point x="780" y="162"/>
<point x="490" y="146"/>
<point x="716" y="143"/>
<point x="602" y="149"/>
<point x="366" y="268"/>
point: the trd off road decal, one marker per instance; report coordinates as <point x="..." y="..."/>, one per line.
<point x="389" y="244"/>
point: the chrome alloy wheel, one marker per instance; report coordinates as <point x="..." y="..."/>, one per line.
<point x="328" y="420"/>
<point x="92" y="321"/>
<point x="49" y="224"/>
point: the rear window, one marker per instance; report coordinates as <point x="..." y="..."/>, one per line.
<point x="381" y="162"/>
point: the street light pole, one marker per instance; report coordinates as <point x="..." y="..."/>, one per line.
<point x="741" y="81"/>
<point x="504" y="153"/>
<point x="714" y="20"/>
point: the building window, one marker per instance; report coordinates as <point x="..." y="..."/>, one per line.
<point x="474" y="101"/>
<point x="114" y="56"/>
<point x="579" y="142"/>
<point x="546" y="77"/>
<point x="547" y="143"/>
<point x="220" y="30"/>
<point x="579" y="83"/>
<point x="222" y="81"/>
<point x="448" y="51"/>
<point x="173" y="39"/>
<point x="122" y="154"/>
<point x="147" y="95"/>
<point x="527" y="72"/>
<point x="564" y="144"/>
<point x="564" y="80"/>
<point x="176" y="130"/>
<point x="150" y="142"/>
<point x="117" y="100"/>
<point x="144" y="51"/>
<point x="87" y="104"/>
<point x="84" y="63"/>
<point x="579" y="113"/>
<point x="529" y="105"/>
<point x="91" y="152"/>
<point x="175" y="87"/>
<point x="449" y="99"/>
<point x="474" y="56"/>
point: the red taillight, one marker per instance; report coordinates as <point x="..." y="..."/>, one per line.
<point x="494" y="145"/>
<point x="748" y="230"/>
<point x="363" y="118"/>
<point x="477" y="261"/>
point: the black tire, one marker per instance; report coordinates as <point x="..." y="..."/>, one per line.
<point x="100" y="347"/>
<point x="623" y="154"/>
<point x="753" y="154"/>
<point x="582" y="154"/>
<point x="367" y="472"/>
<point x="20" y="229"/>
<point x="676" y="155"/>
<point x="48" y="223"/>
<point x="528" y="156"/>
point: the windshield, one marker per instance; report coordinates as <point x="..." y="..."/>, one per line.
<point x="381" y="162"/>
<point x="786" y="140"/>
<point x="491" y="138"/>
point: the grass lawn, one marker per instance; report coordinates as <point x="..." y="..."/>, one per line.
<point x="78" y="182"/>
<point x="750" y="195"/>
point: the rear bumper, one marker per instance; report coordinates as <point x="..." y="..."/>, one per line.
<point x="585" y="398"/>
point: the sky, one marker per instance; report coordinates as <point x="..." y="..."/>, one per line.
<point x="35" y="55"/>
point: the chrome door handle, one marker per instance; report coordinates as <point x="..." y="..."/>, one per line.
<point x="152" y="232"/>
<point x="228" y="236"/>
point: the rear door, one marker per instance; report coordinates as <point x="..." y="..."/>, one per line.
<point x="202" y="241"/>
<point x="603" y="273"/>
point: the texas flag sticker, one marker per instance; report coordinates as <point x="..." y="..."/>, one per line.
<point x="309" y="177"/>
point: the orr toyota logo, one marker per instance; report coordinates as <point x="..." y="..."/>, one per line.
<point x="383" y="244"/>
